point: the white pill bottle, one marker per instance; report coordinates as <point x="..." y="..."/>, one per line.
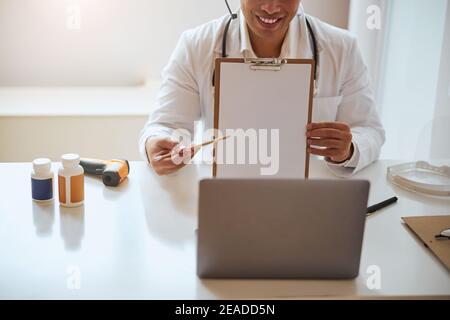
<point x="71" y="181"/>
<point x="42" y="180"/>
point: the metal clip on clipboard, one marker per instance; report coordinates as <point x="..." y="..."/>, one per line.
<point x="273" y="64"/>
<point x="266" y="64"/>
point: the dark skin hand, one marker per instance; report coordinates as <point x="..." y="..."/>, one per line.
<point x="158" y="147"/>
<point x="334" y="139"/>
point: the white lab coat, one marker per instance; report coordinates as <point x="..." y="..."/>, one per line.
<point x="344" y="92"/>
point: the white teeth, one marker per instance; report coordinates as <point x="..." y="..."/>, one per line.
<point x="268" y="21"/>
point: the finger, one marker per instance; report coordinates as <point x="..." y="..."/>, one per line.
<point x="161" y="149"/>
<point x="173" y="154"/>
<point x="174" y="159"/>
<point x="163" y="159"/>
<point x="161" y="153"/>
<point x="178" y="150"/>
<point x="184" y="154"/>
<point x="332" y="125"/>
<point x="159" y="156"/>
<point x="167" y="168"/>
<point x="326" y="152"/>
<point x="329" y="134"/>
<point x="166" y="163"/>
<point x="167" y="144"/>
<point x="329" y="143"/>
<point x="164" y="155"/>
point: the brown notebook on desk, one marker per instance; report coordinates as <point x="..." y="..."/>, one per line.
<point x="426" y="228"/>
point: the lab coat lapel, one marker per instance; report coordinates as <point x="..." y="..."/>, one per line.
<point x="304" y="48"/>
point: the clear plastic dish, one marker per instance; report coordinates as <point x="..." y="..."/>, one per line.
<point x="421" y="177"/>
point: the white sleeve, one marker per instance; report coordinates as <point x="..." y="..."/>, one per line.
<point x="177" y="105"/>
<point x="358" y="110"/>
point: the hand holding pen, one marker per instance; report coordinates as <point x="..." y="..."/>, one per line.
<point x="193" y="149"/>
<point x="162" y="152"/>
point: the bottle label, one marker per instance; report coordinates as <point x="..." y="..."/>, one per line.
<point x="62" y="189"/>
<point x="77" y="188"/>
<point x="42" y="189"/>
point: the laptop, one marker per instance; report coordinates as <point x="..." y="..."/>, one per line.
<point x="280" y="229"/>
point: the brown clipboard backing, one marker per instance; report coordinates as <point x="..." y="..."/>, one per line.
<point x="217" y="74"/>
<point x="426" y="228"/>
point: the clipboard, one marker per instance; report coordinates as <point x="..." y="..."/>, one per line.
<point x="426" y="228"/>
<point x="264" y="94"/>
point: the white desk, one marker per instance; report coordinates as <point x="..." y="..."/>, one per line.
<point x="138" y="241"/>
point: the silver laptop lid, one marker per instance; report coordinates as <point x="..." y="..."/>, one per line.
<point x="281" y="228"/>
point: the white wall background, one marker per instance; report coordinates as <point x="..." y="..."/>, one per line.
<point x="104" y="137"/>
<point x="440" y="144"/>
<point x="371" y="41"/>
<point x="120" y="43"/>
<point x="409" y="92"/>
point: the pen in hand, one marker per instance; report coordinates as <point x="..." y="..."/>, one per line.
<point x="193" y="148"/>
<point x="167" y="155"/>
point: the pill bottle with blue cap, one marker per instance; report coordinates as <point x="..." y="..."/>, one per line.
<point x="42" y="180"/>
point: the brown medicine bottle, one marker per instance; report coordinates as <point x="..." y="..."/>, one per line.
<point x="71" y="181"/>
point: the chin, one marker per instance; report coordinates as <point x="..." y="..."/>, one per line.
<point x="269" y="34"/>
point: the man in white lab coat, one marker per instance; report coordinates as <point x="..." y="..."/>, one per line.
<point x="346" y="128"/>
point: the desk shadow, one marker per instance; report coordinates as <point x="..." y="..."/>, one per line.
<point x="175" y="225"/>
<point x="72" y="227"/>
<point x="43" y="217"/>
<point x="275" y="289"/>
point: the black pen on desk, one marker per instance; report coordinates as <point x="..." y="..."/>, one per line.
<point x="372" y="209"/>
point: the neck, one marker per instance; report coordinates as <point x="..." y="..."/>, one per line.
<point x="266" y="48"/>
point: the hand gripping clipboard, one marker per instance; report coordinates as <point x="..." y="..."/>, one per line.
<point x="268" y="95"/>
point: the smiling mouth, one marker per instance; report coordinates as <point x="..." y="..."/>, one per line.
<point x="269" y="21"/>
